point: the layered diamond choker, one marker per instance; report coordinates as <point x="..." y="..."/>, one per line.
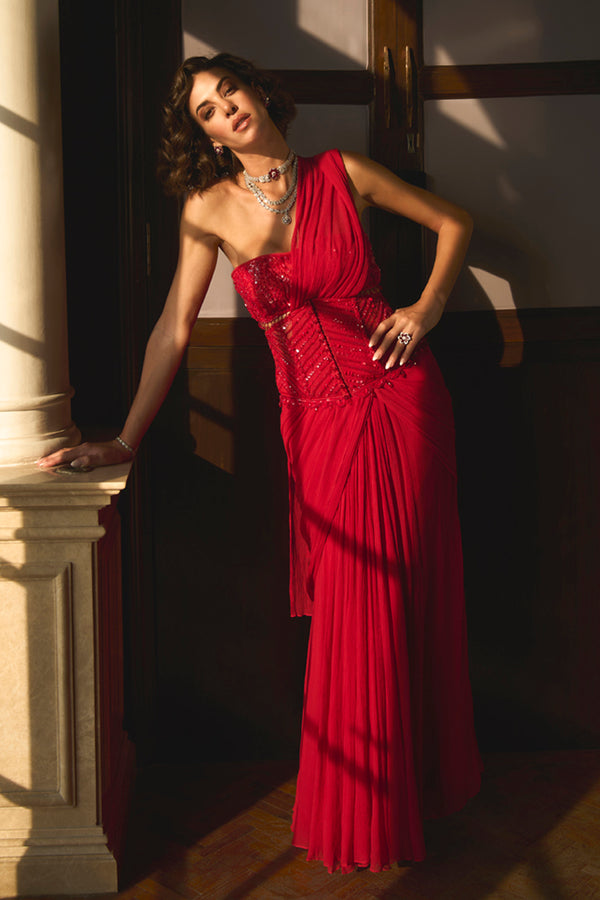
<point x="272" y="174"/>
<point x="289" y="198"/>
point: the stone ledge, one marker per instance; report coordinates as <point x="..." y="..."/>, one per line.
<point x="29" y="481"/>
<point x="48" y="506"/>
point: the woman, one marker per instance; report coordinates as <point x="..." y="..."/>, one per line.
<point x="387" y="732"/>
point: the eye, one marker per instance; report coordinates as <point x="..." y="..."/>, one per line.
<point x="230" y="89"/>
<point x="208" y="114"/>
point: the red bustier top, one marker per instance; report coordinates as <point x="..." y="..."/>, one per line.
<point x="319" y="303"/>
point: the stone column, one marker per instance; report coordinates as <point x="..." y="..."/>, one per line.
<point x="66" y="762"/>
<point x="35" y="415"/>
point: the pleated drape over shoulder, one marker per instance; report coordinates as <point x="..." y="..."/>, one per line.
<point x="387" y="732"/>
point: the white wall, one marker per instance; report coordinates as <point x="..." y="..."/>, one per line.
<point x="280" y="34"/>
<point x="472" y="32"/>
<point x="526" y="168"/>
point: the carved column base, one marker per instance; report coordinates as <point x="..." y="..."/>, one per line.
<point x="40" y="426"/>
<point x="77" y="862"/>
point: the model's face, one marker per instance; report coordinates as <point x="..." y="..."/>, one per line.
<point x="227" y="109"/>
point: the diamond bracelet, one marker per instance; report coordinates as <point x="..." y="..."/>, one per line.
<point x="124" y="444"/>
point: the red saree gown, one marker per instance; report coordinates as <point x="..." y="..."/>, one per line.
<point x="387" y="731"/>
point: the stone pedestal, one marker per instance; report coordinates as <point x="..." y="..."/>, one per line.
<point x="65" y="760"/>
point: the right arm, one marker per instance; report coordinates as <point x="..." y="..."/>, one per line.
<point x="166" y="345"/>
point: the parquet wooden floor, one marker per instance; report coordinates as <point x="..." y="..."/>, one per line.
<point x="222" y="831"/>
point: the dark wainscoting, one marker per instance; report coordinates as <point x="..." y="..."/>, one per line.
<point x="525" y="388"/>
<point x="230" y="662"/>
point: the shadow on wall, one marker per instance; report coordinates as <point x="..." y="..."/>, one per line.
<point x="509" y="165"/>
<point x="271" y="33"/>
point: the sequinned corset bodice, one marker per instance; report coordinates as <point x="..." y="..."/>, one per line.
<point x="320" y="344"/>
<point x="320" y="303"/>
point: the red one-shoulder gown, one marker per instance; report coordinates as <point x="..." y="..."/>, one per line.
<point x="387" y="731"/>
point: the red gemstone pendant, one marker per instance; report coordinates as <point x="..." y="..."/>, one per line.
<point x="274" y="174"/>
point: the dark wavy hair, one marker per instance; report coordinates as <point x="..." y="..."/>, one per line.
<point x="187" y="160"/>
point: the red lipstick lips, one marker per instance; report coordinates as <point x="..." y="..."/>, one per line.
<point x="239" y="120"/>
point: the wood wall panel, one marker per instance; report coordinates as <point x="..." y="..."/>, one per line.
<point x="230" y="659"/>
<point x="525" y="387"/>
<point x="513" y="80"/>
<point x="345" y="86"/>
<point x="528" y="444"/>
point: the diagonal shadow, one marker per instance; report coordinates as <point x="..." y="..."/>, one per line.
<point x="22" y="342"/>
<point x="16" y="122"/>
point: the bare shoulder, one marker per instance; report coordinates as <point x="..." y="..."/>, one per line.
<point x="358" y="165"/>
<point x="202" y="212"/>
<point x="369" y="180"/>
<point x="366" y="174"/>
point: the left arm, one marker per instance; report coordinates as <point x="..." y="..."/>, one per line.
<point x="373" y="185"/>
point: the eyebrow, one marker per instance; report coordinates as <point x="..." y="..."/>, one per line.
<point x="219" y="86"/>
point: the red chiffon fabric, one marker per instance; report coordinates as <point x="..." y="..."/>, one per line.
<point x="387" y="732"/>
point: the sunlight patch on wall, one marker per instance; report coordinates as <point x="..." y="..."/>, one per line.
<point x="340" y="23"/>
<point x="195" y="46"/>
<point x="497" y="289"/>
<point x="473" y="116"/>
<point x="514" y="31"/>
<point x="499" y="39"/>
<point x="305" y="34"/>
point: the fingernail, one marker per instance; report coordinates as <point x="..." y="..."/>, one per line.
<point x="401" y="363"/>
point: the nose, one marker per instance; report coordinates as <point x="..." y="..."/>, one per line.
<point x="231" y="108"/>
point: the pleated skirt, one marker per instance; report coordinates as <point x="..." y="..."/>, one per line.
<point x="387" y="732"/>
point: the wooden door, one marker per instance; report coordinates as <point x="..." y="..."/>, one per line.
<point x="389" y="88"/>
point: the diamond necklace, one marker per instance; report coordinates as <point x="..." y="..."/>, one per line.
<point x="289" y="198"/>
<point x="272" y="174"/>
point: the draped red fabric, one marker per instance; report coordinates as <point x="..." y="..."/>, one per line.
<point x="387" y="733"/>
